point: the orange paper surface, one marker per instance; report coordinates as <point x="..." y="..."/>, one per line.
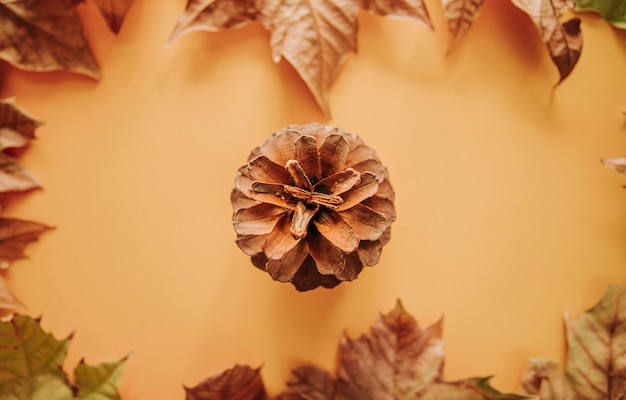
<point x="506" y="217"/>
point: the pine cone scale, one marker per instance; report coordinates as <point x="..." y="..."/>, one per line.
<point x="338" y="183"/>
<point x="333" y="154"/>
<point x="258" y="219"/>
<point x="367" y="223"/>
<point x="329" y="259"/>
<point x="308" y="158"/>
<point x="280" y="240"/>
<point x="366" y="188"/>
<point x="339" y="233"/>
<point x="262" y="169"/>
<point x="283" y="270"/>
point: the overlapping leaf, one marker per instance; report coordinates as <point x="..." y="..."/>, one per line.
<point x="30" y="367"/>
<point x="313" y="36"/>
<point x="614" y="11"/>
<point x="559" y="30"/>
<point x="17" y="129"/>
<point x="558" y="27"/>
<point x="396" y="360"/>
<point x="596" y="360"/>
<point x="15" y="235"/>
<point x="45" y="35"/>
<point x="460" y="14"/>
<point x="238" y="383"/>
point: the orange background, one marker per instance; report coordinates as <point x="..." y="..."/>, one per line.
<point x="506" y="218"/>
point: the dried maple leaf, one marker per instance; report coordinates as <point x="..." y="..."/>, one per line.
<point x="15" y="234"/>
<point x="114" y="12"/>
<point x="313" y="36"/>
<point x="596" y="359"/>
<point x="395" y="360"/>
<point x="14" y="177"/>
<point x="30" y="367"/>
<point x="613" y="11"/>
<point x="238" y="383"/>
<point x="45" y="35"/>
<point x="558" y="29"/>
<point x="460" y="14"/>
<point x="17" y="129"/>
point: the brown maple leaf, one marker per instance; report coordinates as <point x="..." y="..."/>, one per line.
<point x="396" y="359"/>
<point x="313" y="36"/>
<point x="114" y="12"/>
<point x="559" y="30"/>
<point x="15" y="234"/>
<point x="45" y="35"/>
<point x="17" y="129"/>
<point x="238" y="383"/>
<point x="460" y="14"/>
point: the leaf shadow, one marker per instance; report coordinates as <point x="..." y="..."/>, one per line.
<point x="401" y="47"/>
<point x="205" y="56"/>
<point x="42" y="80"/>
<point x="620" y="35"/>
<point x="200" y="54"/>
<point x="511" y="38"/>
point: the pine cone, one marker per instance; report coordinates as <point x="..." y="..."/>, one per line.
<point x="312" y="206"/>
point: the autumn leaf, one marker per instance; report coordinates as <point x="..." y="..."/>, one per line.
<point x="14" y="177"/>
<point x="396" y="359"/>
<point x="17" y="129"/>
<point x="238" y="383"/>
<point x="613" y="11"/>
<point x="30" y="362"/>
<point x="98" y="382"/>
<point x="114" y="12"/>
<point x="460" y="14"/>
<point x="559" y="30"/>
<point x="8" y="303"/>
<point x="15" y="234"/>
<point x="314" y="37"/>
<point x="45" y="35"/>
<point x="596" y="359"/>
<point x="30" y="366"/>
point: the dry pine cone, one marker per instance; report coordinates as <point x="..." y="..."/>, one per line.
<point x="312" y="206"/>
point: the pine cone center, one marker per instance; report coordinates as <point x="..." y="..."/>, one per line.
<point x="307" y="197"/>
